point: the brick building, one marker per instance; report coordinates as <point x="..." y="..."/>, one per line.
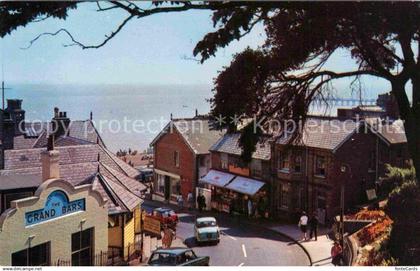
<point x="234" y="182"/>
<point x="82" y="158"/>
<point x="309" y="173"/>
<point x="181" y="156"/>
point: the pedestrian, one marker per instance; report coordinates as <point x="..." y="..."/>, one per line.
<point x="336" y="254"/>
<point x="249" y="208"/>
<point x="303" y="224"/>
<point x="168" y="237"/>
<point x="190" y="200"/>
<point x="201" y="202"/>
<point x="313" y="226"/>
<point x="180" y="201"/>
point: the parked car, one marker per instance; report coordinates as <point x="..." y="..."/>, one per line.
<point x="166" y="216"/>
<point x="177" y="256"/>
<point x="206" y="230"/>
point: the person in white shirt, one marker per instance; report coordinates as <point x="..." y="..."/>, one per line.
<point x="303" y="224"/>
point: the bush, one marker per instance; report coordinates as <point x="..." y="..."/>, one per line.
<point x="403" y="207"/>
<point x="396" y="177"/>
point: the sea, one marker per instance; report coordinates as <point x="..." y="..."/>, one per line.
<point x="126" y="116"/>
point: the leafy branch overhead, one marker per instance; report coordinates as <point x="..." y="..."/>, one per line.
<point x="282" y="78"/>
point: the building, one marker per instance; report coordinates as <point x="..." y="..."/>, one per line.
<point x="361" y="112"/>
<point x="181" y="156"/>
<point x="59" y="222"/>
<point x="309" y="173"/>
<point x="83" y="159"/>
<point x="233" y="182"/>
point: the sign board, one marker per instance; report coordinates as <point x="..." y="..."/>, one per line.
<point x="56" y="205"/>
<point x="371" y="194"/>
<point x="151" y="225"/>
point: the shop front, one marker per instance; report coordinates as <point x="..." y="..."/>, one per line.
<point x="237" y="194"/>
<point x="59" y="223"/>
<point x="167" y="186"/>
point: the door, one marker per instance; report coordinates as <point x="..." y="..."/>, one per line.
<point x="167" y="187"/>
<point x="321" y="206"/>
<point x="207" y="195"/>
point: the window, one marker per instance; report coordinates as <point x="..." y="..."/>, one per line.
<point x="160" y="183"/>
<point x="224" y="160"/>
<point x="176" y="187"/>
<point x="320" y="165"/>
<point x="284" y="163"/>
<point x="298" y="163"/>
<point x="35" y="256"/>
<point x="81" y="248"/>
<point x="256" y="167"/>
<point x="13" y="196"/>
<point x="284" y="196"/>
<point x="176" y="158"/>
<point x="202" y="160"/>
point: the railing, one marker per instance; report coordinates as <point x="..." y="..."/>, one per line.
<point x="112" y="257"/>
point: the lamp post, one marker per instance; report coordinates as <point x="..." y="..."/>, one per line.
<point x="343" y="169"/>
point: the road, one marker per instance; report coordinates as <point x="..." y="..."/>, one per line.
<point x="241" y="245"/>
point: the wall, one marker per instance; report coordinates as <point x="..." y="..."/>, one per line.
<point x="115" y="234"/>
<point x="14" y="234"/>
<point x="164" y="150"/>
<point x="129" y="236"/>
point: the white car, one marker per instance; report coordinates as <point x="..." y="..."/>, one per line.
<point x="206" y="230"/>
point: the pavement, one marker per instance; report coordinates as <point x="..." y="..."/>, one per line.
<point x="319" y="251"/>
<point x="244" y="243"/>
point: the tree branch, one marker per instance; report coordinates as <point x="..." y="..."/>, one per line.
<point x="77" y="43"/>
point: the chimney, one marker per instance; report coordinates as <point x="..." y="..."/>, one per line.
<point x="49" y="161"/>
<point x="60" y="123"/>
<point x="196" y="112"/>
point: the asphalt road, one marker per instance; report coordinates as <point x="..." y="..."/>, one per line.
<point x="240" y="244"/>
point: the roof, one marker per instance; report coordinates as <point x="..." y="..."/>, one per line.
<point x="391" y="132"/>
<point x="327" y="134"/>
<point x="199" y="133"/>
<point x="229" y="143"/>
<point x="204" y="219"/>
<point x="173" y="250"/>
<point x="19" y="181"/>
<point x="83" y="159"/>
<point x="36" y="134"/>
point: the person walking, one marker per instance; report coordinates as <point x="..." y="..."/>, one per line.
<point x="190" y="201"/>
<point x="336" y="254"/>
<point x="180" y="201"/>
<point x="313" y="227"/>
<point x="201" y="201"/>
<point x="249" y="208"/>
<point x="303" y="224"/>
<point x="168" y="237"/>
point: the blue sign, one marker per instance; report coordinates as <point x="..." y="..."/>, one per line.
<point x="56" y="205"/>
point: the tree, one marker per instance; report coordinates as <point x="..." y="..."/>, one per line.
<point x="281" y="79"/>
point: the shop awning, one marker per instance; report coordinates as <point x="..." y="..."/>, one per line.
<point x="245" y="185"/>
<point x="217" y="178"/>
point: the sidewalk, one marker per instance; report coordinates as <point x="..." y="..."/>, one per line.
<point x="319" y="251"/>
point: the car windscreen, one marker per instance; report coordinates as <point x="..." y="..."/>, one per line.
<point x="203" y="224"/>
<point x="161" y="258"/>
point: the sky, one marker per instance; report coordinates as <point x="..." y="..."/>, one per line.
<point x="149" y="50"/>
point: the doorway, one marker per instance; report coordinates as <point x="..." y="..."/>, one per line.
<point x="167" y="187"/>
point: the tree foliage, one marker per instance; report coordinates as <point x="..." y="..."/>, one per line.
<point x="281" y="79"/>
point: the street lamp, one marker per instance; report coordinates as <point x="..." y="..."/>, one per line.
<point x="343" y="169"/>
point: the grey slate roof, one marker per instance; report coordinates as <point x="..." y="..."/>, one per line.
<point x="323" y="133"/>
<point x="393" y="133"/>
<point x="81" y="161"/>
<point x="229" y="143"/>
<point x="198" y="133"/>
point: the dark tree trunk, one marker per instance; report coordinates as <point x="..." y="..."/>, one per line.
<point x="411" y="117"/>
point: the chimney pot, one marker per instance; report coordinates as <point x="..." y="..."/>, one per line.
<point x="50" y="165"/>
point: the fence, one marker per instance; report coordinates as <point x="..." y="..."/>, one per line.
<point x="114" y="256"/>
